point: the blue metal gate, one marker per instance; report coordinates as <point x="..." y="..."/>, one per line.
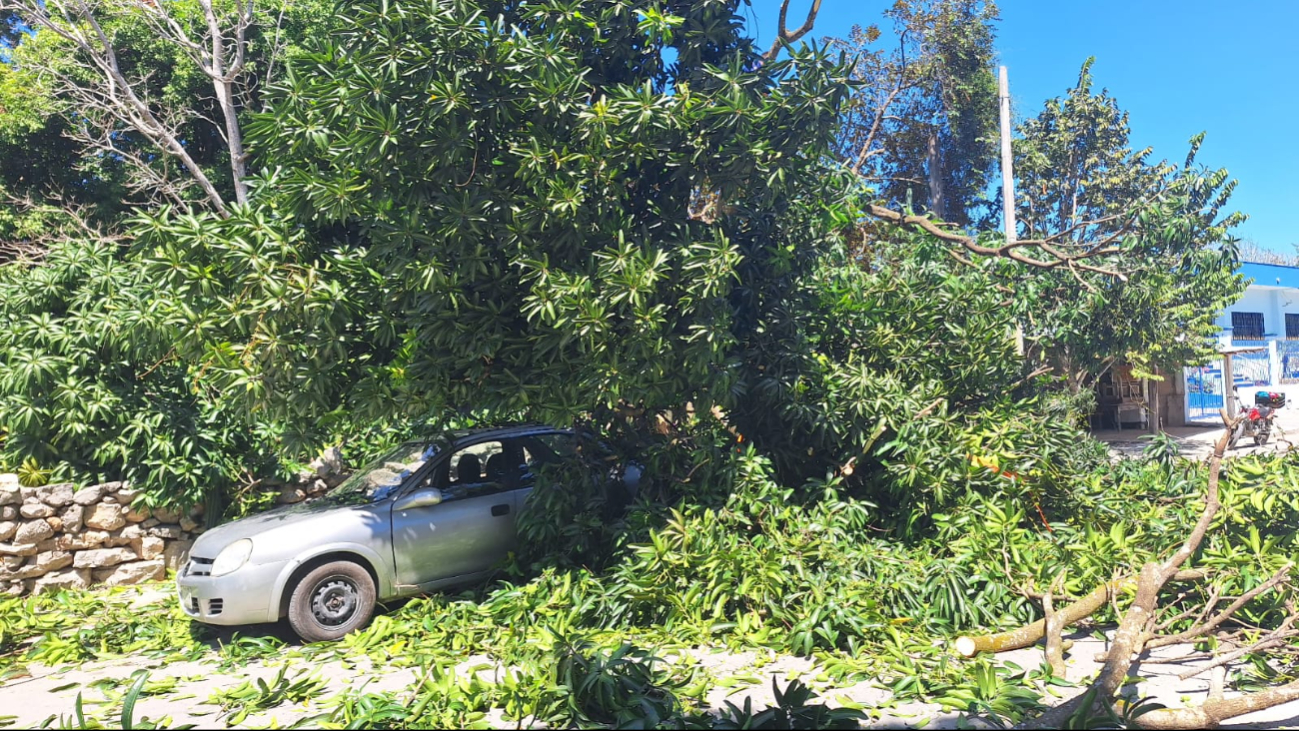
<point x="1288" y="354"/>
<point x="1204" y="392"/>
<point x="1252" y="369"/>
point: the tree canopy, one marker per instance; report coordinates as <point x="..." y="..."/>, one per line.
<point x="614" y="211"/>
<point x="489" y="205"/>
<point x="921" y="124"/>
<point x="1081" y="185"/>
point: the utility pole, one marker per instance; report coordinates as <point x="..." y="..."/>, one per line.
<point x="1008" y="180"/>
<point x="1007" y="173"/>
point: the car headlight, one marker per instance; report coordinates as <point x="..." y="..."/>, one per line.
<point x="232" y="557"/>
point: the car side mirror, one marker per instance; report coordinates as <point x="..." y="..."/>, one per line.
<point x="425" y="498"/>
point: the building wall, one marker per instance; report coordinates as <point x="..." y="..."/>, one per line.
<point x="1273" y="302"/>
<point x="1273" y="291"/>
<point x="1171" y="397"/>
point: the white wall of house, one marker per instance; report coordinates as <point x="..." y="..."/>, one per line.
<point x="1273" y="302"/>
<point x="1273" y="292"/>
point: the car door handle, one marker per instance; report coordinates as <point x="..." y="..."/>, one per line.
<point x="502" y="509"/>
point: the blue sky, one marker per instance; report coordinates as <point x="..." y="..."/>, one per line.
<point x="1179" y="66"/>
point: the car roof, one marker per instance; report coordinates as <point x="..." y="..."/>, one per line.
<point x="512" y="430"/>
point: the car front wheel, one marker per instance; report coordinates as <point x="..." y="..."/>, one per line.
<point x="331" y="601"/>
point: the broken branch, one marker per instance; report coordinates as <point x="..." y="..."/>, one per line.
<point x="1201" y="629"/>
<point x="1071" y="614"/>
<point x="1130" y="639"/>
<point x="1214" y="711"/>
<point x="1008" y="250"/>
<point x="1274" y="638"/>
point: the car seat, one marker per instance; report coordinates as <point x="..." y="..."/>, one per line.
<point x="498" y="467"/>
<point x="469" y="470"/>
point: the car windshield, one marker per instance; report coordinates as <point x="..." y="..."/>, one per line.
<point x="381" y="477"/>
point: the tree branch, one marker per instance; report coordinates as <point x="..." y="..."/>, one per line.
<point x="1273" y="639"/>
<point x="1201" y="629"/>
<point x="1214" y="711"/>
<point x="1030" y="633"/>
<point x="783" y="36"/>
<point x="1130" y="639"/>
<point x="1009" y="250"/>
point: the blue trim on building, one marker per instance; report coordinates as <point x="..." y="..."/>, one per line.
<point x="1271" y="275"/>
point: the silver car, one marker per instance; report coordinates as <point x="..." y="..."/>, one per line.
<point x="429" y="514"/>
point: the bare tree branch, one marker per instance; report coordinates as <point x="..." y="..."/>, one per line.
<point x="119" y="95"/>
<point x="1203" y="628"/>
<point x="1009" y="250"/>
<point x="61" y="218"/>
<point x="110" y="101"/>
<point x="220" y="51"/>
<point x="881" y="111"/>
<point x="277" y="47"/>
<point x="1275" y="638"/>
<point x="783" y="36"/>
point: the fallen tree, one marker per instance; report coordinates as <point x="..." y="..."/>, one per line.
<point x="1031" y="633"/>
<point x="1140" y="630"/>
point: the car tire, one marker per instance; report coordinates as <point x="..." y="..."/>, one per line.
<point x="331" y="601"/>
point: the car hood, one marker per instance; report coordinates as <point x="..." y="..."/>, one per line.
<point x="210" y="543"/>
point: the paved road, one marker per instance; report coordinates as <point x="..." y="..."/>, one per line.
<point x="1197" y="442"/>
<point x="52" y="691"/>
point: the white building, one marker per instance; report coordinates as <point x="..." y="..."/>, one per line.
<point x="1264" y="321"/>
<point x="1269" y="309"/>
<point x="1266" y="315"/>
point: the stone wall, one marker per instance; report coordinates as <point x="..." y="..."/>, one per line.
<point x="325" y="473"/>
<point x="57" y="536"/>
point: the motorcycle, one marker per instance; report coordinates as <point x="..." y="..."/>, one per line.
<point x="1256" y="421"/>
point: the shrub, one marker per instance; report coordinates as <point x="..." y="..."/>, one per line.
<point x="89" y="388"/>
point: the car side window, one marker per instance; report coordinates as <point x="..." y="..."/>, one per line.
<point x="548" y="448"/>
<point x="545" y="449"/>
<point x="479" y="469"/>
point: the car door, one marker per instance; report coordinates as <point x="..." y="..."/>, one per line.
<point x="550" y="448"/>
<point x="537" y="450"/>
<point x="470" y="531"/>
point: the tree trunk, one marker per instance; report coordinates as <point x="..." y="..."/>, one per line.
<point x="223" y="84"/>
<point x="213" y="506"/>
<point x="234" y="139"/>
<point x="1071" y="614"/>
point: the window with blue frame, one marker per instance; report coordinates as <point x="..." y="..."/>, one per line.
<point x="1247" y="326"/>
<point x="1291" y="326"/>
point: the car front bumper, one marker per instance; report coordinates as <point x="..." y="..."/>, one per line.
<point x="240" y="597"/>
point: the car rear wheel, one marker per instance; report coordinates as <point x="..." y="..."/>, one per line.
<point x="331" y="601"/>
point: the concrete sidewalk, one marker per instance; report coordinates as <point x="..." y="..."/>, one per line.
<point x="1197" y="442"/>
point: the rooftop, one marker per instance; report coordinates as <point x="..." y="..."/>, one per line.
<point x="1271" y="275"/>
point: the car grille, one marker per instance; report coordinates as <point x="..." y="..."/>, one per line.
<point x="193" y="605"/>
<point x="214" y="607"/>
<point x="199" y="566"/>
